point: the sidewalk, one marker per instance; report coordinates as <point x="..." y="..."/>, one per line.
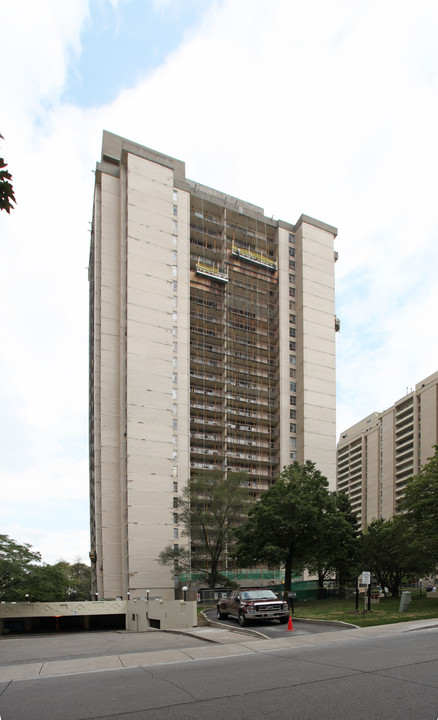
<point x="160" y="647"/>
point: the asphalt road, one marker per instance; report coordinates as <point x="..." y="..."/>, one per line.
<point x="273" y="629"/>
<point x="371" y="678"/>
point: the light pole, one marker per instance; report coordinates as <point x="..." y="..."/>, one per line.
<point x="185" y="588"/>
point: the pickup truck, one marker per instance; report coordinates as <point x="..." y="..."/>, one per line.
<point x="252" y="604"/>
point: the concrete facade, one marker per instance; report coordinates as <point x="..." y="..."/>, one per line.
<point x="376" y="456"/>
<point x="212" y="347"/>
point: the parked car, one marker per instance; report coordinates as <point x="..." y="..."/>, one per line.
<point x="253" y="604"/>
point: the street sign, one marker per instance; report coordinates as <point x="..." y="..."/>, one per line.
<point x="366" y="578"/>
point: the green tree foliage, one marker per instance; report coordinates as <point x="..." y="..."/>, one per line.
<point x="420" y="504"/>
<point x="46" y="583"/>
<point x="209" y="510"/>
<point x="16" y="563"/>
<point x="335" y="552"/>
<point x="24" y="577"/>
<point x="78" y="577"/>
<point x="7" y="197"/>
<point x="285" y="527"/>
<point x="393" y="552"/>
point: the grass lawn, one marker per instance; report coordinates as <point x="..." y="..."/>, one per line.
<point x="385" y="612"/>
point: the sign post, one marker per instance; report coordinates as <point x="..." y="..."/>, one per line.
<point x="366" y="580"/>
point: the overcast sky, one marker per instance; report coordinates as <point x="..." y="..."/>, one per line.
<point x="323" y="107"/>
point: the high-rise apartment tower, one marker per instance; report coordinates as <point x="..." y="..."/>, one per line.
<point x="376" y="456"/>
<point x="212" y="347"/>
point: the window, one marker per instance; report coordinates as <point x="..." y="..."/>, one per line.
<point x="293" y="441"/>
<point x="175" y="227"/>
<point x="292" y="346"/>
<point x="175" y="502"/>
<point x="292" y="359"/>
<point x="175" y="424"/>
<point x="174" y="315"/>
<point x="175" y="362"/>
<point x="174" y="271"/>
<point x="293" y="400"/>
<point x="292" y="427"/>
<point x="175" y="332"/>
<point x="292" y="252"/>
<point x="291" y="278"/>
<point x="292" y="332"/>
<point x="175" y="517"/>
<point x="175" y="347"/>
<point x="291" y="238"/>
<point x="174" y="301"/>
<point x="292" y="372"/>
<point x="174" y="455"/>
<point x="175" y="409"/>
<point x="292" y="414"/>
<point x="292" y="387"/>
<point x="291" y="264"/>
<point x="176" y="547"/>
<point x="292" y="318"/>
<point x="175" y="439"/>
<point x="175" y="210"/>
<point x="292" y="292"/>
<point x="175" y="196"/>
<point x="293" y="455"/>
<point x="175" y="488"/>
<point x="175" y="377"/>
<point x="175" y="533"/>
<point x="175" y="394"/>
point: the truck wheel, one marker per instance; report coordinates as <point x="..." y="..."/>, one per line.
<point x="221" y="615"/>
<point x="242" y="620"/>
<point x="283" y="620"/>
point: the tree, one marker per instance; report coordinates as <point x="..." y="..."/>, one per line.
<point x="16" y="563"/>
<point x="285" y="526"/>
<point x="335" y="552"/>
<point x="46" y="583"/>
<point x="420" y="504"/>
<point x="209" y="510"/>
<point x="7" y="196"/>
<point x="392" y="551"/>
<point x="78" y="578"/>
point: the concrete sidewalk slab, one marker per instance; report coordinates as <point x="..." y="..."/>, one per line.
<point x="20" y="672"/>
<point x="80" y="665"/>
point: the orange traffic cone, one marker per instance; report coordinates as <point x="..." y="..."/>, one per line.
<point x="289" y="625"/>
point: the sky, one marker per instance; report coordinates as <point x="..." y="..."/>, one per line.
<point x="324" y="107"/>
